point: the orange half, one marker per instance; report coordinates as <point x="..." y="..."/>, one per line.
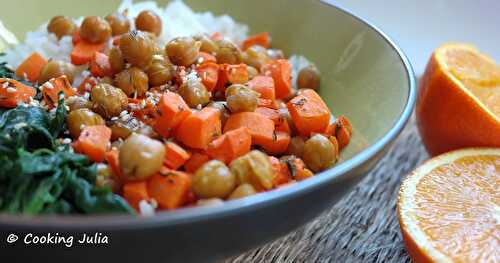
<point x="449" y="208"/>
<point x="458" y="103"/>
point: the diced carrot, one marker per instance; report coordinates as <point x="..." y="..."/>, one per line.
<point x="31" y="67"/>
<point x="53" y="87"/>
<point x="175" y="155"/>
<point x="99" y="65"/>
<point x="147" y="114"/>
<point x="209" y="74"/>
<point x="230" y="145"/>
<point x="281" y="72"/>
<point x="283" y="126"/>
<point x="196" y="161"/>
<point x="266" y="103"/>
<point x="93" y="142"/>
<point x="261" y="39"/>
<point x="261" y="128"/>
<point x="171" y="111"/>
<point x="280" y="176"/>
<point x="207" y="57"/>
<point x="271" y="114"/>
<point x="113" y="160"/>
<point x="278" y="144"/>
<point x="83" y="51"/>
<point x="237" y="74"/>
<point x="15" y="93"/>
<point x="342" y="130"/>
<point x="309" y="113"/>
<point x="263" y="85"/>
<point x="87" y="84"/>
<point x="198" y="129"/>
<point x="296" y="168"/>
<point x="216" y="36"/>
<point x="169" y="188"/>
<point x="231" y="74"/>
<point x="135" y="192"/>
<point x="76" y="38"/>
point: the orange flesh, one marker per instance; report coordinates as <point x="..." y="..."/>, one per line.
<point x="479" y="75"/>
<point x="458" y="208"/>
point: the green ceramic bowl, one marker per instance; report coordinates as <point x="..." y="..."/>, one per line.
<point x="364" y="76"/>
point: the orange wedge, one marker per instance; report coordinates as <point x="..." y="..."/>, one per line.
<point x="458" y="103"/>
<point x="449" y="208"/>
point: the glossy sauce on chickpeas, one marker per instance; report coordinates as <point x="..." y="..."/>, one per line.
<point x="137" y="48"/>
<point x="193" y="120"/>
<point x="95" y="29"/>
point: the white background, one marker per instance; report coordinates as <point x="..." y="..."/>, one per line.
<point x="419" y="26"/>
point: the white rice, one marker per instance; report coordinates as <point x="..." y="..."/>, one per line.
<point x="177" y="18"/>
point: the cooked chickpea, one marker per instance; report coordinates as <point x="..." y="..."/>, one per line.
<point x="119" y="23"/>
<point x="160" y="72"/>
<point x="80" y="118"/>
<point x="137" y="48"/>
<point x="207" y="44"/>
<point x="255" y="56"/>
<point x="116" y="60"/>
<point x="132" y="81"/>
<point x="223" y="109"/>
<point x="194" y="93"/>
<point x="107" y="100"/>
<point x="296" y="146"/>
<point x="210" y="202"/>
<point x="228" y="52"/>
<point x="319" y="153"/>
<point x="122" y="128"/>
<point x="252" y="72"/>
<point x="308" y="78"/>
<point x="147" y="131"/>
<point x="148" y="21"/>
<point x="241" y="98"/>
<point x="213" y="179"/>
<point x="183" y="51"/>
<point x="140" y="157"/>
<point x="119" y="131"/>
<point x="95" y="29"/>
<point x="253" y="168"/>
<point x="55" y="69"/>
<point x="61" y="26"/>
<point x="241" y="191"/>
<point x="77" y="102"/>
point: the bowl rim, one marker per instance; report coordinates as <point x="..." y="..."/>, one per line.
<point x="192" y="214"/>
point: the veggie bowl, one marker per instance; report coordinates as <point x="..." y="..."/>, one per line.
<point x="217" y="138"/>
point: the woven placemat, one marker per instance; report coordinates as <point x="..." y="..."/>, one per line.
<point x="363" y="226"/>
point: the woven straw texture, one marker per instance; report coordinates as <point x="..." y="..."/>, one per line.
<point x="363" y="226"/>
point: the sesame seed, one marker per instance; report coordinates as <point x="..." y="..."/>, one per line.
<point x="5" y="85"/>
<point x="66" y="141"/>
<point x="11" y="90"/>
<point x="123" y="113"/>
<point x="114" y="118"/>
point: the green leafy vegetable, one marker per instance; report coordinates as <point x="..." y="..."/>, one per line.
<point x="39" y="175"/>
